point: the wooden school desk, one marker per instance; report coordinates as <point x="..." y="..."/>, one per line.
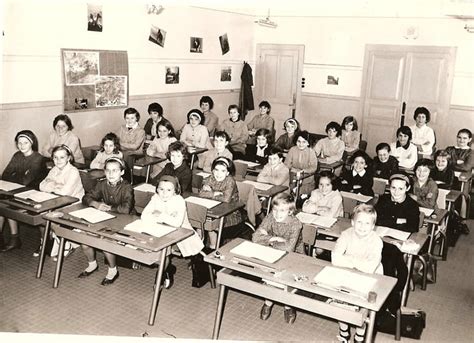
<point x="297" y="179"/>
<point x="110" y="236"/>
<point x="434" y="221"/>
<point x="193" y="152"/>
<point x="343" y="224"/>
<point x="296" y="271"/>
<point x="147" y="162"/>
<point x="330" y="166"/>
<point x="31" y="213"/>
<point x="269" y="193"/>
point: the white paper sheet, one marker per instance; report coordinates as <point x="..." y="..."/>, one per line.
<point x="341" y="279"/>
<point x="260" y="252"/>
<point x="427" y="211"/>
<point x="92" y="215"/>
<point x="259" y="185"/>
<point x="314" y="219"/>
<point x="250" y="164"/>
<point x="457" y="174"/>
<point x="203" y="174"/>
<point x="9" y="186"/>
<point x="145" y="187"/>
<point x="359" y="197"/>
<point x="36" y="195"/>
<point x="150" y="228"/>
<point x="208" y="203"/>
<point x="384" y="231"/>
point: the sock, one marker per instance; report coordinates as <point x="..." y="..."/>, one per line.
<point x="92" y="266"/>
<point x="344" y="331"/>
<point x="360" y="335"/>
<point x="111" y="273"/>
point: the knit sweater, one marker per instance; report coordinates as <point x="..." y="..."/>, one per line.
<point x="120" y="197"/>
<point x="329" y="205"/>
<point x="404" y="216"/>
<point x="238" y="133"/>
<point x="329" y="150"/>
<point x="26" y="170"/>
<point x="289" y="230"/>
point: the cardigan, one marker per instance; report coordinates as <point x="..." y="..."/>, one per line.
<point x="329" y="205"/>
<point x="206" y="159"/>
<point x="304" y="160"/>
<point x="238" y="133"/>
<point x="426" y="195"/>
<point x="407" y="158"/>
<point x="251" y="154"/>
<point x="99" y="161"/>
<point x="458" y="154"/>
<point x="195" y="136"/>
<point x="70" y="139"/>
<point x="183" y="173"/>
<point x="285" y="142"/>
<point x="230" y="193"/>
<point x="329" y="150"/>
<point x="275" y="175"/>
<point x="446" y="177"/>
<point x="159" y="146"/>
<point x="131" y="140"/>
<point x="262" y="121"/>
<point x="26" y="170"/>
<point x="211" y="122"/>
<point x="120" y="197"/>
<point x="385" y="169"/>
<point x="64" y="182"/>
<point x="151" y="127"/>
<point x="173" y="212"/>
<point x="423" y="136"/>
<point x="289" y="230"/>
<point x="357" y="183"/>
<point x="351" y="140"/>
<point x="364" y="254"/>
<point x="404" y="216"/>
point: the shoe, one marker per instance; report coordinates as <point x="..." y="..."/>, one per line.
<point x="169" y="276"/>
<point x="290" y="315"/>
<point x="85" y="273"/>
<point x="67" y="252"/>
<point x="344" y="336"/>
<point x="15" y="243"/>
<point x="107" y="282"/>
<point x="265" y="312"/>
<point x="37" y="251"/>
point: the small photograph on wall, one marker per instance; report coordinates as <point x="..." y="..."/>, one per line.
<point x="111" y="91"/>
<point x="157" y="36"/>
<point x="172" y="75"/>
<point x="332" y="80"/>
<point x="94" y="17"/>
<point x="196" y="45"/>
<point x="81" y="67"/>
<point x="226" y="74"/>
<point x="224" y="43"/>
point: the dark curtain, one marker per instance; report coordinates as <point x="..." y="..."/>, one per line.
<point x="246" y="96"/>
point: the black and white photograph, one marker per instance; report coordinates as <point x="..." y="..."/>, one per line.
<point x="157" y="36"/>
<point x="94" y="17"/>
<point x="226" y="74"/>
<point x="332" y="80"/>
<point x="172" y="75"/>
<point x="195" y="45"/>
<point x="224" y="41"/>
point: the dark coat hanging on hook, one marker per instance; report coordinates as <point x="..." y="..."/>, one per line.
<point x="246" y="95"/>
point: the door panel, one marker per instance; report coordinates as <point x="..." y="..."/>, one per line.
<point x="386" y="77"/>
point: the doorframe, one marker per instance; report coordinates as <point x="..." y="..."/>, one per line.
<point x="300" y="48"/>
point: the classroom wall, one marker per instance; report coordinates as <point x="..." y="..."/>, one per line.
<point x="31" y="67"/>
<point x="336" y="46"/>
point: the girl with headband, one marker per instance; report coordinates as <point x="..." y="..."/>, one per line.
<point x="194" y="133"/>
<point x="26" y="167"/>
<point x="287" y="140"/>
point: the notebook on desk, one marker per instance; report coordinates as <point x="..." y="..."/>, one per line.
<point x="248" y="163"/>
<point x="384" y="231"/>
<point x="258" y="251"/>
<point x="36" y="196"/>
<point x="208" y="203"/>
<point x="148" y="227"/>
<point x="92" y="215"/>
<point x="259" y="185"/>
<point x="145" y="187"/>
<point x="9" y="186"/>
<point x="346" y="281"/>
<point x="314" y="219"/>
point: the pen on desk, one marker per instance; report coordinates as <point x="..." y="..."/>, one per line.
<point x="76" y="220"/>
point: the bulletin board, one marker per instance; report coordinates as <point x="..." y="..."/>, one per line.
<point x="94" y="79"/>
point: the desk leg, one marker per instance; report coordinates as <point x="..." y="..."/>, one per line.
<point x="43" y="250"/>
<point x="432" y="237"/>
<point x="218" y="244"/>
<point x="370" y="327"/>
<point x="62" y="241"/>
<point x="220" y="308"/>
<point x="147" y="173"/>
<point x="192" y="162"/>
<point x="269" y="205"/>
<point x="157" y="293"/>
<point x="407" y="285"/>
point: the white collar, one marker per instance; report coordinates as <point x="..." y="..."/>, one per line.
<point x="134" y="126"/>
<point x="362" y="173"/>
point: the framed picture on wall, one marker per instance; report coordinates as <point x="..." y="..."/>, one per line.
<point x="172" y="75"/>
<point x="224" y="43"/>
<point x="157" y="36"/>
<point x="195" y="45"/>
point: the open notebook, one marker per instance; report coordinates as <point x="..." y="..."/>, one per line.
<point x="344" y="280"/>
<point x="314" y="219"/>
<point x="9" y="186"/>
<point x="250" y="164"/>
<point x="257" y="251"/>
<point x="145" y="187"/>
<point x="36" y="195"/>
<point x="384" y="231"/>
<point x="149" y="227"/>
<point x="92" y="215"/>
<point x="359" y="197"/>
<point x="259" y="185"/>
<point x="208" y="203"/>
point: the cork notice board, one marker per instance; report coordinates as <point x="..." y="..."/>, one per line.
<point x="94" y="79"/>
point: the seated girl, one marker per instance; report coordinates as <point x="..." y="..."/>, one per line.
<point x="263" y="120"/>
<point x="423" y="135"/>
<point x="160" y="144"/>
<point x="443" y="173"/>
<point x="384" y="164"/>
<point x="109" y="147"/>
<point x="330" y="149"/>
<point x="350" y="136"/>
<point x="155" y="111"/>
<point x="63" y="134"/>
<point x="259" y="152"/>
<point x="403" y="150"/>
<point x="221" y="186"/>
<point x="167" y="206"/>
<point x="397" y="210"/>
<point x="237" y="131"/>
<point x="359" y="178"/>
<point x="461" y="155"/>
<point x="178" y="155"/>
<point x="302" y="159"/>
<point x="425" y="189"/>
<point x="275" y="172"/>
<point x="63" y="179"/>
<point x="221" y="141"/>
<point x="280" y="230"/>
<point x="287" y="140"/>
<point x="210" y="118"/>
<point x="194" y="133"/>
<point x="111" y="195"/>
<point x="325" y="200"/>
<point x="131" y="135"/>
<point x="26" y="167"/>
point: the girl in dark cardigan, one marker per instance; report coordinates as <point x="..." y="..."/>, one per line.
<point x="178" y="155"/>
<point x="359" y="178"/>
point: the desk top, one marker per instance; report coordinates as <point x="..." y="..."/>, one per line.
<point x="39" y="207"/>
<point x="294" y="265"/>
<point x="148" y="161"/>
<point x="332" y="166"/>
<point x="436" y="217"/>
<point x="221" y="210"/>
<point x="453" y="195"/>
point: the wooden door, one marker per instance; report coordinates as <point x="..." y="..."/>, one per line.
<point x="397" y="75"/>
<point x="278" y="72"/>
